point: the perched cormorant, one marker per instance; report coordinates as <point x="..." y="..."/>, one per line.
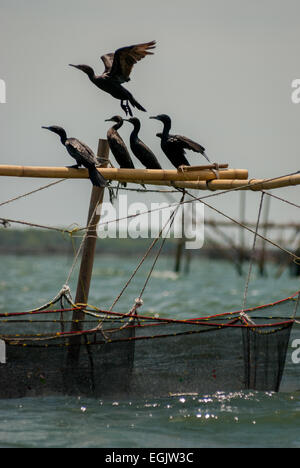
<point x="174" y="146"/>
<point x="118" y="66"/>
<point x="117" y="145"/>
<point x="139" y="149"/>
<point x="83" y="155"/>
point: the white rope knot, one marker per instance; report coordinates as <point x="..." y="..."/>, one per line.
<point x="65" y="289"/>
<point x="138" y="303"/>
<point x="247" y="318"/>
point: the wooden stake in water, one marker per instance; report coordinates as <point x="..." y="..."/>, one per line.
<point x="88" y="254"/>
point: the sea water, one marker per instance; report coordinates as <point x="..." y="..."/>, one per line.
<point x="239" y="419"/>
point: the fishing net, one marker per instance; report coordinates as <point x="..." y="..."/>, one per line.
<point x="134" y="355"/>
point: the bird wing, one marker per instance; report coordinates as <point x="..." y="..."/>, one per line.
<point x="80" y="151"/>
<point x="186" y="143"/>
<point x="108" y="59"/>
<point x="120" y="151"/>
<point x="124" y="59"/>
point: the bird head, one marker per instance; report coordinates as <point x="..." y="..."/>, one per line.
<point x="163" y="118"/>
<point x="85" y="68"/>
<point x="58" y="130"/>
<point x="55" y="129"/>
<point x="115" y="118"/>
<point x="134" y="121"/>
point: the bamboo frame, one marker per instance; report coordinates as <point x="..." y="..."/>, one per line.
<point x="123" y="175"/>
<point x="191" y="179"/>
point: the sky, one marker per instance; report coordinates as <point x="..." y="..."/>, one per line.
<point x="223" y="71"/>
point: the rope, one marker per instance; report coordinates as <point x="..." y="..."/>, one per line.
<point x="40" y="226"/>
<point x="281" y="199"/>
<point x="146" y="255"/>
<point x="296" y="308"/>
<point x="33" y="191"/>
<point x="295" y="257"/>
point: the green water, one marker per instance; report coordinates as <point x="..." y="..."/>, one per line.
<point x="241" y="419"/>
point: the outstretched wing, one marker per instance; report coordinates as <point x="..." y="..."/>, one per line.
<point x="124" y="59"/>
<point x="107" y="59"/>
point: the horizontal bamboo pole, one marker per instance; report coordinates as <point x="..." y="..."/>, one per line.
<point x="250" y="184"/>
<point x="126" y="175"/>
<point x="229" y="179"/>
<point x="198" y="168"/>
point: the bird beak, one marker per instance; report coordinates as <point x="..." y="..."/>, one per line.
<point x="108" y="120"/>
<point x="75" y="66"/>
<point x="46" y="128"/>
<point x="152" y="117"/>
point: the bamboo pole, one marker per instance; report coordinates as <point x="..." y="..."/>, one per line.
<point x="121" y="175"/>
<point x="198" y="180"/>
<point x="242" y="230"/>
<point x="247" y="184"/>
<point x="200" y="168"/>
<point x="262" y="259"/>
<point x="87" y="260"/>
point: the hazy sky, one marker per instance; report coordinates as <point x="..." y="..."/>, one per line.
<point x="222" y="70"/>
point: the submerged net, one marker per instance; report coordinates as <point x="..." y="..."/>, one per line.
<point x="118" y="355"/>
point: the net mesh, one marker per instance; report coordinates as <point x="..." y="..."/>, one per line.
<point x="134" y="355"/>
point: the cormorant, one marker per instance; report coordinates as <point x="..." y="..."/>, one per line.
<point x="118" y="66"/>
<point x="83" y="155"/>
<point x="117" y="145"/>
<point x="174" y="146"/>
<point x="139" y="149"/>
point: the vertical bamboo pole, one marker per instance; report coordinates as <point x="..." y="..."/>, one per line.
<point x="262" y="259"/>
<point x="180" y="246"/>
<point x="242" y="250"/>
<point x="88" y="255"/>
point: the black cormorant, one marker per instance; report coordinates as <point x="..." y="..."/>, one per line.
<point x="118" y="66"/>
<point x="174" y="146"/>
<point x="83" y="155"/>
<point x="139" y="149"/>
<point x="117" y="145"/>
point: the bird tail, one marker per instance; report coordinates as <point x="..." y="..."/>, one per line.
<point x="134" y="103"/>
<point x="96" y="178"/>
<point x="205" y="155"/>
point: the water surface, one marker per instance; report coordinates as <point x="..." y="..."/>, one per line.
<point x="239" y="419"/>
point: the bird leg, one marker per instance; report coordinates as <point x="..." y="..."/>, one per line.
<point x="112" y="195"/>
<point x="126" y="108"/>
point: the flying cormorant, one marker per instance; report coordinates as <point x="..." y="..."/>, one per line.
<point x="83" y="155"/>
<point x="118" y="66"/>
<point x="174" y="146"/>
<point x="139" y="149"/>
